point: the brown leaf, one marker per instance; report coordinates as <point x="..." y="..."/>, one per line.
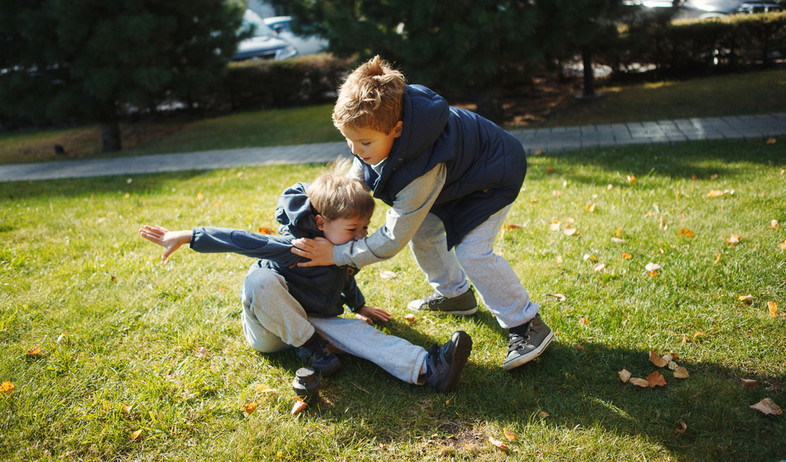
<point x="543" y="414"/>
<point x="584" y="322"/>
<point x="749" y="383"/>
<point x="625" y="375"/>
<point x="410" y="318"/>
<point x="782" y="245"/>
<point x="639" y="382"/>
<point x="202" y="353"/>
<point x="733" y="240"/>
<point x="626" y="256"/>
<point x="510" y="435"/>
<point x="767" y="407"/>
<point x="497" y="443"/>
<point x="559" y="297"/>
<point x="249" y="408"/>
<point x="135" y="434"/>
<point x="773" y="309"/>
<point x="745" y="298"/>
<point x="515" y="226"/>
<point x="299" y="406"/>
<point x="262" y="388"/>
<point x="717" y="258"/>
<point x="265" y="230"/>
<point x="656" y="379"/>
<point x="657" y="360"/>
<point x="681" y="373"/>
<point x="774" y="224"/>
<point x="698" y="335"/>
<point x="681" y="426"/>
<point x="34" y="351"/>
<point x="631" y="179"/>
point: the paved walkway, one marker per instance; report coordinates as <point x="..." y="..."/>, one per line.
<point x="547" y="140"/>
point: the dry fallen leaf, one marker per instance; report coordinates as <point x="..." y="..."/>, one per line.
<point x="570" y="230"/>
<point x="262" y="388"/>
<point x="597" y="267"/>
<point x="657" y="360"/>
<point x="386" y="275"/>
<point x="584" y="322"/>
<point x="510" y="435"/>
<point x="652" y="267"/>
<point x="200" y="197"/>
<point x="299" y="406"/>
<point x="249" y="408"/>
<point x="715" y="193"/>
<point x="782" y="245"/>
<point x="136" y="434"/>
<point x="631" y="179"/>
<point x="767" y="407"/>
<point x="265" y="230"/>
<point x="590" y="207"/>
<point x="749" y="383"/>
<point x="7" y="388"/>
<point x="497" y="443"/>
<point x="626" y="256"/>
<point x="559" y="297"/>
<point x="515" y="226"/>
<point x="656" y="379"/>
<point x="410" y="318"/>
<point x="771" y="140"/>
<point x="774" y="224"/>
<point x="625" y="375"/>
<point x="554" y="225"/>
<point x="34" y="351"/>
<point x="773" y="309"/>
<point x="745" y="298"/>
<point x="61" y="337"/>
<point x="681" y="373"/>
<point x="202" y="352"/>
<point x="685" y="232"/>
<point x="639" y="382"/>
<point x="469" y="447"/>
<point x="733" y="240"/>
<point x="681" y="426"/>
<point x="697" y="335"/>
<point x="543" y="414"/>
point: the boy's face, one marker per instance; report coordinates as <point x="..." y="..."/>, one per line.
<point x="342" y="230"/>
<point x="370" y="145"/>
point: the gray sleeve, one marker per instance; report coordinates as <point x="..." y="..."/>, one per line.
<point x="409" y="210"/>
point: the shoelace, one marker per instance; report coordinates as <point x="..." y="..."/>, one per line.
<point x="518" y="340"/>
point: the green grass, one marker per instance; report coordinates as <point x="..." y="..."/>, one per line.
<point x="72" y="265"/>
<point x="733" y="94"/>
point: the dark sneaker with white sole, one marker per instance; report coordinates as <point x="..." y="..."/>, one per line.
<point x="314" y="353"/>
<point x="444" y="364"/>
<point x="463" y="305"/>
<point x="527" y="342"/>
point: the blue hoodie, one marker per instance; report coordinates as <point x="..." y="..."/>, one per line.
<point x="321" y="290"/>
<point x="485" y="164"/>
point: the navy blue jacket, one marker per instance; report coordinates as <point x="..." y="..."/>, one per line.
<point x="321" y="290"/>
<point x="485" y="164"/>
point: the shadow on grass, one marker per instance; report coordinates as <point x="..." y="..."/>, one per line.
<point x="568" y="390"/>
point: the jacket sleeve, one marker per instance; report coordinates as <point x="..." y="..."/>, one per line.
<point x="216" y="240"/>
<point x="352" y="296"/>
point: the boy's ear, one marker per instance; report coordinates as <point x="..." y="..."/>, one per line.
<point x="320" y="222"/>
<point x="398" y="128"/>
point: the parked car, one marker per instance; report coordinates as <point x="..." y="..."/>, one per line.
<point x="265" y="42"/>
<point x="704" y="9"/>
<point x="305" y="44"/>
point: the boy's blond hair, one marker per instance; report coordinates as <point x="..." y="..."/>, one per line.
<point x="370" y="97"/>
<point x="335" y="195"/>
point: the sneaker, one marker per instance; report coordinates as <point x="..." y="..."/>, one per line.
<point x="463" y="305"/>
<point x="315" y="354"/>
<point x="527" y="342"/>
<point x="445" y="363"/>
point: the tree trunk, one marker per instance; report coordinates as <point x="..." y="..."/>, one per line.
<point x="589" y="75"/>
<point x="110" y="135"/>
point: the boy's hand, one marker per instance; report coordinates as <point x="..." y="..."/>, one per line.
<point x="319" y="251"/>
<point x="170" y="240"/>
<point x="369" y="314"/>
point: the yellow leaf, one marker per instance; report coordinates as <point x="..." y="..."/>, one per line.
<point x="34" y="352"/>
<point x="584" y="322"/>
<point x="773" y="308"/>
<point x="497" y="443"/>
<point x="618" y="233"/>
<point x="698" y="335"/>
<point x="625" y="375"/>
<point x="590" y="207"/>
<point x="509" y="434"/>
<point x="200" y="197"/>
<point x="656" y="379"/>
<point x="715" y="193"/>
<point x="249" y="408"/>
<point x="767" y="407"/>
<point x="745" y="298"/>
<point x="685" y="232"/>
<point x="135" y="434"/>
<point x="7" y="388"/>
<point x="262" y="388"/>
<point x="681" y="373"/>
<point x="717" y="258"/>
<point x="626" y="256"/>
<point x="657" y="360"/>
<point x="265" y="230"/>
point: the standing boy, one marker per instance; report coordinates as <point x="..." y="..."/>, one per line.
<point x="287" y="305"/>
<point x="450" y="177"/>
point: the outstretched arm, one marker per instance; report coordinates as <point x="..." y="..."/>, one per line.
<point x="169" y="240"/>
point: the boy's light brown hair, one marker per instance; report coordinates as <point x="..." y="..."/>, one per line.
<point x="335" y="195"/>
<point x="371" y="97"/>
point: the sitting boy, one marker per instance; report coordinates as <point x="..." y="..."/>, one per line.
<point x="284" y="304"/>
<point x="450" y="177"/>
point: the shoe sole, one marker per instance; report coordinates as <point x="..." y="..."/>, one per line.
<point x="521" y="360"/>
<point x="463" y="347"/>
<point x="415" y="306"/>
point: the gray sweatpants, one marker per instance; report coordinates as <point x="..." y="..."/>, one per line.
<point x="273" y="320"/>
<point x="473" y="258"/>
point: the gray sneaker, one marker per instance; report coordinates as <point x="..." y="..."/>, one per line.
<point x="444" y="364"/>
<point x="527" y="342"/>
<point x="463" y="305"/>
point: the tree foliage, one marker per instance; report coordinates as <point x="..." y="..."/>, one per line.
<point x="469" y="47"/>
<point x="93" y="60"/>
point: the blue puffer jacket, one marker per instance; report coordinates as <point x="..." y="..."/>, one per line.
<point x="485" y="164"/>
<point x="321" y="290"/>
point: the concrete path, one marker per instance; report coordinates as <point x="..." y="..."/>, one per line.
<point x="547" y="140"/>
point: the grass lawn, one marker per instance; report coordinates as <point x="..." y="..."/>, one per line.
<point x="733" y="94"/>
<point x="140" y="361"/>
